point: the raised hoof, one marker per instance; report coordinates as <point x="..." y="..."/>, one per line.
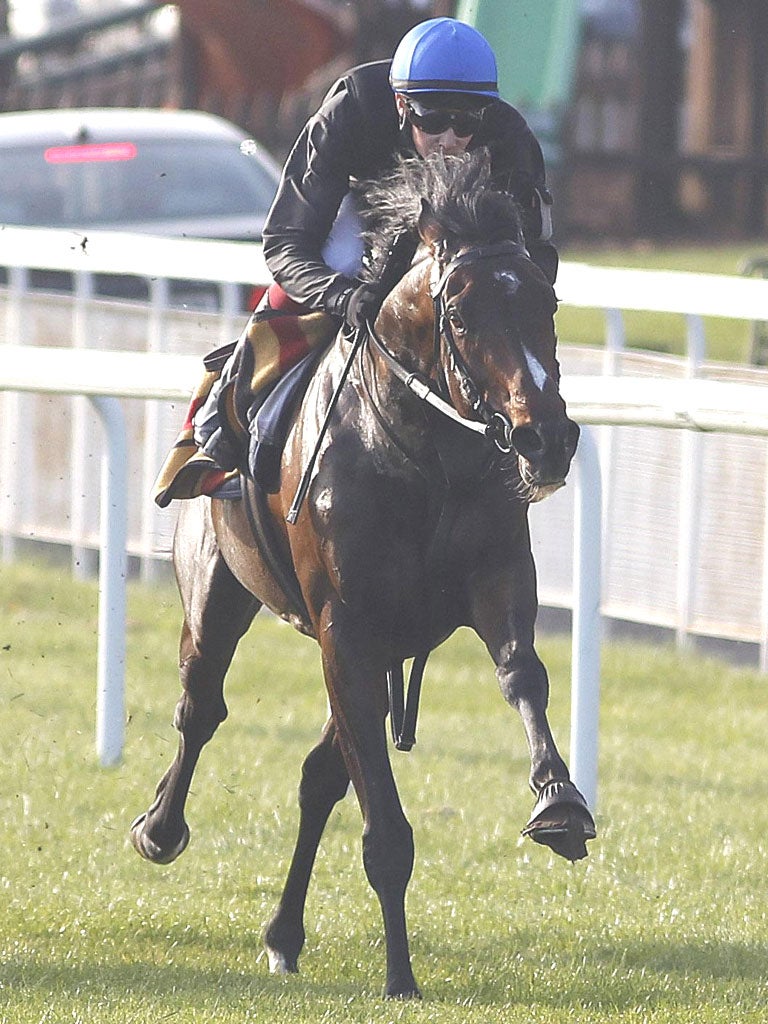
<point x="561" y="820"/>
<point x="279" y="963"/>
<point x="149" y="850"/>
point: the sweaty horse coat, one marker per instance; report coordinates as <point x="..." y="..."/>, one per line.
<point x="414" y="525"/>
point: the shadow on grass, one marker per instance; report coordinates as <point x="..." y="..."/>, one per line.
<point x="171" y="987"/>
<point x="604" y="978"/>
<point x="644" y="973"/>
<point x="715" y="960"/>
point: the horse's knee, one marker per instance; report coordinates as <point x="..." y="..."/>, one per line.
<point x="523" y="678"/>
<point x="388" y="856"/>
<point x="199" y="715"/>
<point x="324" y="779"/>
<point x="201" y="672"/>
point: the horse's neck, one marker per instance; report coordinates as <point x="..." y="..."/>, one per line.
<point x="407" y="322"/>
<point x="405" y="333"/>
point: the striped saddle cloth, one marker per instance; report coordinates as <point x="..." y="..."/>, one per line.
<point x="276" y="353"/>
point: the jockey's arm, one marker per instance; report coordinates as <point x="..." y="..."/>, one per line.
<point x="315" y="181"/>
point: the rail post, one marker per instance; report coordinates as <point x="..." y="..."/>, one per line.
<point x="586" y="624"/>
<point x="110" y="681"/>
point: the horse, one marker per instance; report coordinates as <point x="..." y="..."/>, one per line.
<point x="448" y="425"/>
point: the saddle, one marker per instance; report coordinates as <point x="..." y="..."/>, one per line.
<point x="267" y="371"/>
<point x="263" y="407"/>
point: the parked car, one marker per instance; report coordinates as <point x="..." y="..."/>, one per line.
<point x="166" y="172"/>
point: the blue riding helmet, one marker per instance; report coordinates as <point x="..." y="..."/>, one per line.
<point x="444" y="55"/>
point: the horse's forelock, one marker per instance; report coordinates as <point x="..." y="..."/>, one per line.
<point x="467" y="208"/>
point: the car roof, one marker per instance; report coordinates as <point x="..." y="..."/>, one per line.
<point x="99" y="124"/>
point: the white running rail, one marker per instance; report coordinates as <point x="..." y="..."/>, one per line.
<point x="107" y="378"/>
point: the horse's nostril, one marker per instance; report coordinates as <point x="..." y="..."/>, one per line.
<point x="528" y="442"/>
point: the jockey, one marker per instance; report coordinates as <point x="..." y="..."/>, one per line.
<point x="439" y="92"/>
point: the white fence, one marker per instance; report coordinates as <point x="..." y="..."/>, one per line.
<point x="685" y="534"/>
<point x="684" y="541"/>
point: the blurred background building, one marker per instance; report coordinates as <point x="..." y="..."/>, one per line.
<point x="653" y="113"/>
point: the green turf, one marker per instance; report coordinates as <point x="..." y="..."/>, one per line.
<point x="667" y="921"/>
<point x="727" y="340"/>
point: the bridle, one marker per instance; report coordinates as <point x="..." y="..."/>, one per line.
<point x="491" y="423"/>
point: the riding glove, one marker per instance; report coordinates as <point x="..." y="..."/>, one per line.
<point x="362" y="305"/>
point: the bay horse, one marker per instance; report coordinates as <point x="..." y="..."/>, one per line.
<point x="450" y="423"/>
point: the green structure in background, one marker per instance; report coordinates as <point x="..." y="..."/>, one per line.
<point x="536" y="43"/>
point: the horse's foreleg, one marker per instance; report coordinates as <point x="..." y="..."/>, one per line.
<point x="324" y="781"/>
<point x="357" y="689"/>
<point x="218" y="610"/>
<point x="560" y="818"/>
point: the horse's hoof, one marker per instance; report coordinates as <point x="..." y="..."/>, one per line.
<point x="561" y="820"/>
<point x="410" y="991"/>
<point x="279" y="963"/>
<point x="149" y="850"/>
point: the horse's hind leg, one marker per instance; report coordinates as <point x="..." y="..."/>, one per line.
<point x="217" y="612"/>
<point x="324" y="781"/>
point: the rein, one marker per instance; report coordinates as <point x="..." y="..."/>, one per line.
<point x="493" y="425"/>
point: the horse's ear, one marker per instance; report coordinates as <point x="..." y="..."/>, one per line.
<point x="428" y="226"/>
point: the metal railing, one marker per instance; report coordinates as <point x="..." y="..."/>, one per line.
<point x="701" y="406"/>
<point x="106" y="377"/>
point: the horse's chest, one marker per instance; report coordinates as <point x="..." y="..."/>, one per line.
<point x="374" y="534"/>
<point x="394" y="548"/>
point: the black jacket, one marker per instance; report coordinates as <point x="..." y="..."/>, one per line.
<point x="355" y="135"/>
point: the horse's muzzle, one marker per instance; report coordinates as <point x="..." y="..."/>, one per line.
<point x="547" y="449"/>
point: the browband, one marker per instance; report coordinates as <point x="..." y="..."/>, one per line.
<point x="479" y="252"/>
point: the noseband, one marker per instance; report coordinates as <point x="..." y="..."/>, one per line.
<point x="492" y="424"/>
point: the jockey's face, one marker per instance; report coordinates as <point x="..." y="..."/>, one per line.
<point x="446" y="130"/>
<point x="448" y="142"/>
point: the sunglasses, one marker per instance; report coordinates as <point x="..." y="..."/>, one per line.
<point x="437" y="121"/>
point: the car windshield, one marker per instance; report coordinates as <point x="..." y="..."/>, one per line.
<point x="122" y="182"/>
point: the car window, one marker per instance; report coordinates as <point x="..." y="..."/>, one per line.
<point x="114" y="183"/>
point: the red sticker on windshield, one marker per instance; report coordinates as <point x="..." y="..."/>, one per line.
<point x="95" y="152"/>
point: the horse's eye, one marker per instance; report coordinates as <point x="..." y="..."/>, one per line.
<point x="454" y="319"/>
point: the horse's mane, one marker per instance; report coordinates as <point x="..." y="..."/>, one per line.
<point x="467" y="207"/>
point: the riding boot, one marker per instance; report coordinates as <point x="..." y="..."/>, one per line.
<point x="211" y="448"/>
<point x="189" y="469"/>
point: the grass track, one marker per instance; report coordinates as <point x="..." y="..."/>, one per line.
<point x="666" y="922"/>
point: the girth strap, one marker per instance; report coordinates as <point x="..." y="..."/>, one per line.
<point x="404" y="710"/>
<point x="265" y="535"/>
